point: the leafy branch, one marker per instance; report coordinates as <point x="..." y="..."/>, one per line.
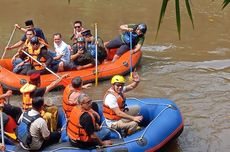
<point x="225" y="3"/>
<point x="178" y="19"/>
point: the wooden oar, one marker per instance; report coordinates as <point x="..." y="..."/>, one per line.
<point x="2" y="127"/>
<point x="96" y="68"/>
<point x="65" y="83"/>
<point x="8" y="100"/>
<point x="9" y="42"/>
<point x="130" y="58"/>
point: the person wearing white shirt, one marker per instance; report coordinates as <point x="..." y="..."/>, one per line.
<point x="117" y="115"/>
<point x="62" y="52"/>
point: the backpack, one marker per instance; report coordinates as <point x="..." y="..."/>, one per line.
<point x="23" y="129"/>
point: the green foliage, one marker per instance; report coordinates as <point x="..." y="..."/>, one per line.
<point x="178" y="19"/>
<point x="163" y="9"/>
<point x="189" y="11"/>
<point x="225" y="3"/>
<point x="177" y="5"/>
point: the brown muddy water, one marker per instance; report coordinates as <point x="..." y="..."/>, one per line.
<point x="193" y="72"/>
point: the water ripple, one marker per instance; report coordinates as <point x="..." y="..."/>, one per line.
<point x="158" y="48"/>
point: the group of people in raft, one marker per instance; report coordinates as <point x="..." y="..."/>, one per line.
<point x="37" y="124"/>
<point x="36" y="121"/>
<point x="81" y="54"/>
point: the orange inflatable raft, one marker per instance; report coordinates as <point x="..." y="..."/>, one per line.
<point x="105" y="71"/>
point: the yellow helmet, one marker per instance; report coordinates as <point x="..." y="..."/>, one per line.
<point x="118" y="79"/>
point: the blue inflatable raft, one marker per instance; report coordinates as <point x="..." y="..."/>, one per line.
<point x="162" y="123"/>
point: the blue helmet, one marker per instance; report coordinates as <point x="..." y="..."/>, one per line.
<point x="34" y="40"/>
<point x="81" y="39"/>
<point x="142" y="27"/>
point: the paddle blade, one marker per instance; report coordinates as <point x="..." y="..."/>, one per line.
<point x="131" y="76"/>
<point x="11" y="135"/>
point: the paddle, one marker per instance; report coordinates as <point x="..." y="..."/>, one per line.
<point x="2" y="128"/>
<point x="130" y="58"/>
<point x="8" y="42"/>
<point x="65" y="83"/>
<point x="8" y="100"/>
<point x="96" y="75"/>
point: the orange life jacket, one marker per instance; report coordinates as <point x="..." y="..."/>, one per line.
<point x="109" y="113"/>
<point x="41" y="41"/>
<point x="66" y="105"/>
<point x="74" y="129"/>
<point x="1" y="92"/>
<point x="27" y="43"/>
<point x="35" y="54"/>
<point x="26" y="99"/>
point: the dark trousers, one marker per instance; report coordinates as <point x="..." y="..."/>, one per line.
<point x="54" y="138"/>
<point x="83" y="145"/>
<point x="13" y="111"/>
<point x="118" y="43"/>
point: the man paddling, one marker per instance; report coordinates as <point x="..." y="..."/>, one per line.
<point x="29" y="25"/>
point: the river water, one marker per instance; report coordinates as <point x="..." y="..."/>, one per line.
<point x="193" y="72"/>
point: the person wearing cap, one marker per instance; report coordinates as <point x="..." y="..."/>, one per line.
<point x="117" y="115"/>
<point x="77" y="29"/>
<point x="20" y="61"/>
<point x="32" y="89"/>
<point x="29" y="25"/>
<point x="83" y="128"/>
<point x="80" y="58"/>
<point x="62" y="51"/>
<point x="122" y="42"/>
<point x="91" y="46"/>
<point x="40" y="54"/>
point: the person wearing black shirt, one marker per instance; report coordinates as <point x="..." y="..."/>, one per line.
<point x="85" y="120"/>
<point x="29" y="26"/>
<point x="80" y="57"/>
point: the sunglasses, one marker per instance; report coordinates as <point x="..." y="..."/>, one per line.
<point x="34" y="43"/>
<point x="87" y="102"/>
<point x="77" y="26"/>
<point x="119" y="84"/>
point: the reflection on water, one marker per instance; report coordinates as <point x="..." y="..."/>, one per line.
<point x="193" y="72"/>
